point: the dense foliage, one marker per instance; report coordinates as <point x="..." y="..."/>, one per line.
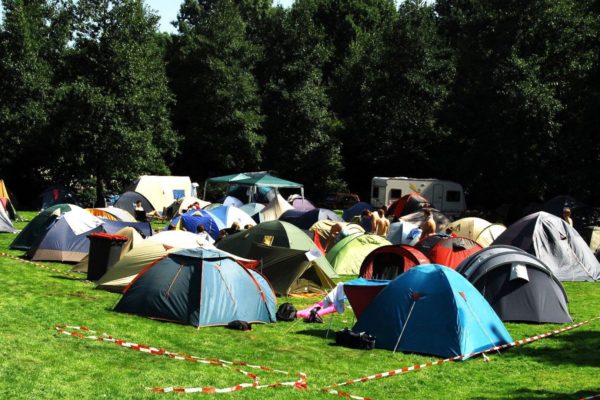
<point x="499" y="95"/>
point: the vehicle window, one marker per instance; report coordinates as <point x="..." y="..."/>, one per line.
<point x="453" y="196"/>
<point x="395" y="193"/>
<point x="375" y="192"/>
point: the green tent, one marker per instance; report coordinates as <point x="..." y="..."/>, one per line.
<point x="291" y="271"/>
<point x="348" y="254"/>
<point x="37" y="226"/>
<point x="274" y="233"/>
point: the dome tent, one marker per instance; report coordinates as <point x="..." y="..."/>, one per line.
<point x="274" y="233"/>
<point x="441" y="313"/>
<point x="200" y="287"/>
<point x="556" y="244"/>
<point x="518" y="286"/>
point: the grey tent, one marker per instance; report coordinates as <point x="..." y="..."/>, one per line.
<point x="5" y="224"/>
<point x="556" y="244"/>
<point x="518" y="286"/>
<point x="291" y="271"/>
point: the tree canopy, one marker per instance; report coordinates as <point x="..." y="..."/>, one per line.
<point x="501" y="96"/>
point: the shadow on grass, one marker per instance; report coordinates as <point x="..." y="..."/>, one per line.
<point x="576" y="348"/>
<point x="319" y="333"/>
<point x="545" y="394"/>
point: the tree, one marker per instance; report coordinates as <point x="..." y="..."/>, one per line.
<point x="404" y="74"/>
<point x="503" y="109"/>
<point x="218" y="106"/>
<point x="32" y="40"/>
<point x="111" y="120"/>
<point x="301" y="130"/>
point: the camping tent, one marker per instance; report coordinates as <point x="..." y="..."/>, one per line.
<point x="5" y="223"/>
<point x="356" y="210"/>
<point x="200" y="287"/>
<point x="477" y="229"/>
<point x="65" y="239"/>
<point x="181" y="205"/>
<point x="38" y="226"/>
<point x="193" y="218"/>
<point x="273" y="210"/>
<point x="361" y="292"/>
<point x="291" y="271"/>
<point x="321" y="231"/>
<point x="56" y="194"/>
<point x="306" y="219"/>
<point x="447" y="250"/>
<point x="348" y="254"/>
<point x="252" y="208"/>
<point x="227" y="215"/>
<point x="7" y="200"/>
<point x="162" y="191"/>
<point x="145" y="253"/>
<point x="274" y="233"/>
<point x="556" y="244"/>
<point x="417" y="218"/>
<point x="112" y="213"/>
<point x="403" y="232"/>
<point x="128" y="199"/>
<point x="518" y="286"/>
<point x="300" y="203"/>
<point x="432" y="309"/>
<point x="134" y="239"/>
<point x="407" y="204"/>
<point x="387" y="262"/>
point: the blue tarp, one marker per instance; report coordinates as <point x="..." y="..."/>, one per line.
<point x="449" y="316"/>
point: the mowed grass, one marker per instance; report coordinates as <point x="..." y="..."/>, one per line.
<point x="36" y="362"/>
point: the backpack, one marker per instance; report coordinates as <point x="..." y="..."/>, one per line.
<point x="286" y="312"/>
<point x="361" y="340"/>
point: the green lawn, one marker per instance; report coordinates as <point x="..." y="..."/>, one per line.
<point x="36" y="362"/>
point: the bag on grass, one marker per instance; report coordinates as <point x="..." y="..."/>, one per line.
<point x="314" y="317"/>
<point x="361" y="340"/>
<point x="239" y="325"/>
<point x="286" y="312"/>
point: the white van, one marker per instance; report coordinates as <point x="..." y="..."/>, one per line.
<point x="446" y="196"/>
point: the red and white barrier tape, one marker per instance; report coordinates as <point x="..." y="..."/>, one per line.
<point x="42" y="266"/>
<point x="299" y="383"/>
<point x="331" y="389"/>
<point x="596" y="396"/>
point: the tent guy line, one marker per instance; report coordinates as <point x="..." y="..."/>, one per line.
<point x="300" y="383"/>
<point x="42" y="266"/>
<point x="331" y="389"/>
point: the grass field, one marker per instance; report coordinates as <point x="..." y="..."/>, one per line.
<point x="36" y="362"/>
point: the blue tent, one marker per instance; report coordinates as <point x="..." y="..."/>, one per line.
<point x="200" y="287"/>
<point x="306" y="219"/>
<point x="192" y="218"/>
<point x="441" y="312"/>
<point x="355" y="210"/>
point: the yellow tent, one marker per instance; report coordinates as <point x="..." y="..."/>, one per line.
<point x="323" y="229"/>
<point x="477" y="229"/>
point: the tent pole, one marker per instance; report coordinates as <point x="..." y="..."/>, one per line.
<point x="205" y="184"/>
<point x="405" y="323"/>
<point x="330" y="323"/>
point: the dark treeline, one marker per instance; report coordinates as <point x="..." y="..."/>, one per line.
<point x="500" y="95"/>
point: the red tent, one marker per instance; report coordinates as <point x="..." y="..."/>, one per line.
<point x="387" y="262"/>
<point x="447" y="250"/>
<point x="407" y="204"/>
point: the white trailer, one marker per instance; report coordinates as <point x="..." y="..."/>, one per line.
<point x="446" y="196"/>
